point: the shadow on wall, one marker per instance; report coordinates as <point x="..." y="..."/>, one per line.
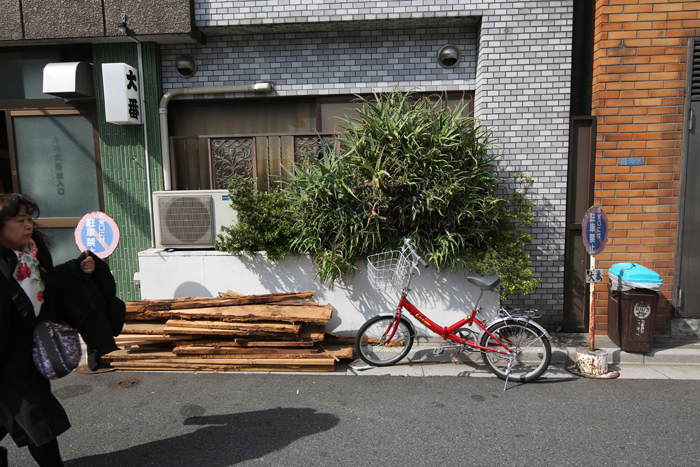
<point x="192" y="289"/>
<point x="222" y="440"/>
<point x="448" y="291"/>
<point x="547" y="260"/>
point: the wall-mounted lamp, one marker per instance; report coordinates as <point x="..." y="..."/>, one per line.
<point x="448" y="56"/>
<point x="121" y="25"/>
<point x="186" y="66"/>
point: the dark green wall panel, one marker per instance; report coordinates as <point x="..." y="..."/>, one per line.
<point x="124" y="161"/>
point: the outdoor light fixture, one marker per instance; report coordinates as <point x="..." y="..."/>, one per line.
<point x="122" y="24"/>
<point x="186" y="66"/>
<point x="448" y="56"/>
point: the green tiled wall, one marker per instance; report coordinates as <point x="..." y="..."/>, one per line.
<point x="124" y="161"/>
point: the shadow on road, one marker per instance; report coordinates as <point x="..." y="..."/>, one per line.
<point x="223" y="440"/>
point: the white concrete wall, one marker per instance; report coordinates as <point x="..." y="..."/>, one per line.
<point x="445" y="297"/>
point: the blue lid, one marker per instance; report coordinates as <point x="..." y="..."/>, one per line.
<point x="633" y="272"/>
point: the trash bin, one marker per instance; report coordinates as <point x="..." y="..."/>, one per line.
<point x="632" y="302"/>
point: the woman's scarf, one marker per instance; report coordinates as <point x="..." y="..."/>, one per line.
<point x="28" y="276"/>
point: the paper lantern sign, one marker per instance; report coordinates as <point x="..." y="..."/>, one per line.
<point x="595" y="230"/>
<point x="98" y="233"/>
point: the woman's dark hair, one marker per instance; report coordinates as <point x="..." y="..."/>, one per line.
<point x="10" y="205"/>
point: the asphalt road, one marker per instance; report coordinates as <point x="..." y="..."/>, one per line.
<point x="218" y="420"/>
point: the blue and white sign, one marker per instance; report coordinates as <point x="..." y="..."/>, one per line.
<point x="630" y="161"/>
<point x="595" y="230"/>
<point x="98" y="233"/>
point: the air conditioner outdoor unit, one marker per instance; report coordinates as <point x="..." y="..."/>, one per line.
<point x="190" y="219"/>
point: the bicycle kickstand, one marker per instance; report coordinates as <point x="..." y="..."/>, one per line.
<point x="510" y="366"/>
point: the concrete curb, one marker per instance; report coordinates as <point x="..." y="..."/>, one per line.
<point x="677" y="359"/>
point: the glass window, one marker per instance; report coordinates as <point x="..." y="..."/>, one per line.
<point x="333" y="112"/>
<point x="5" y="166"/>
<point x="63" y="246"/>
<point x="23" y="73"/>
<point x="242" y="118"/>
<point x="56" y="163"/>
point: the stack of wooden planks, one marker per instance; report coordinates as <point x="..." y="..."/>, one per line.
<point x="271" y="332"/>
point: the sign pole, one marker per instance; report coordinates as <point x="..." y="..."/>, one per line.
<point x="591" y="320"/>
<point x="590" y="362"/>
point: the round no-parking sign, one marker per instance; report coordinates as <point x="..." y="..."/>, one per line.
<point x="98" y="233"/>
<point x="595" y="230"/>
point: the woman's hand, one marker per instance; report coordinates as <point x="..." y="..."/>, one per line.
<point x="88" y="264"/>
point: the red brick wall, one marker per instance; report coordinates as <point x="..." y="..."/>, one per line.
<point x="639" y="56"/>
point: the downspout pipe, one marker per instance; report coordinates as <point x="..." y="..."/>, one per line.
<point x="163" y="114"/>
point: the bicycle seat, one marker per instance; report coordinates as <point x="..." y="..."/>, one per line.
<point x="485" y="282"/>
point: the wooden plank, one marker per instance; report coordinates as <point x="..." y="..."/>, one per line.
<point x="199" y="302"/>
<point x="267" y="326"/>
<point x="159" y="366"/>
<point x="248" y="357"/>
<point x="174" y="332"/>
<point x="144" y="339"/>
<point x="246" y="343"/>
<point x="140" y="327"/>
<point x="314" y="332"/>
<point x="137" y="353"/>
<point x="165" y="356"/>
<point x="204" y="350"/>
<point x="230" y="293"/>
<point x="303" y="314"/>
<point x="327" y="352"/>
<point x="345" y="352"/>
<point x="333" y="338"/>
<point x="297" y="303"/>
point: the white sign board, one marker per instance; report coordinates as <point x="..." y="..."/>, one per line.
<point x="121" y="90"/>
<point x="593" y="276"/>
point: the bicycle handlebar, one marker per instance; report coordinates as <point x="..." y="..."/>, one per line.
<point x="407" y="243"/>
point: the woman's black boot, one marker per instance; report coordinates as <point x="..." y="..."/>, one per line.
<point x="3" y="457"/>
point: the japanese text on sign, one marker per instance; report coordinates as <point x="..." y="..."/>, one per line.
<point x="98" y="233"/>
<point x="121" y="93"/>
<point x="595" y="230"/>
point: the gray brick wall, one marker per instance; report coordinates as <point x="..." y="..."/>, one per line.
<point x="516" y="58"/>
<point x="321" y="63"/>
<point x="523" y="92"/>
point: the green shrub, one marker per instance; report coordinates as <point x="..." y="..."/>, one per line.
<point x="412" y="167"/>
<point x="264" y="223"/>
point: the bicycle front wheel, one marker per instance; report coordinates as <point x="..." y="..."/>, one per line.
<point x="382" y="341"/>
<point x="529" y="356"/>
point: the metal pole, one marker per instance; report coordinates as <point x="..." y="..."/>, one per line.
<point x="149" y="187"/>
<point x="591" y="320"/>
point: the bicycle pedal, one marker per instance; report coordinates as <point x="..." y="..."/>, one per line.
<point x="438" y="351"/>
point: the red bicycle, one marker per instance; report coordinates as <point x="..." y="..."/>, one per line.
<point x="511" y="344"/>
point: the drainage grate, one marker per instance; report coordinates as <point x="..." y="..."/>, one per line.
<point x="126" y="383"/>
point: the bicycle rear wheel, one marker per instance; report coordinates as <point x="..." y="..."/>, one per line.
<point x="530" y="356"/>
<point x="376" y="345"/>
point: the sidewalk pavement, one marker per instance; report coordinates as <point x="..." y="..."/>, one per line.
<point x="670" y="358"/>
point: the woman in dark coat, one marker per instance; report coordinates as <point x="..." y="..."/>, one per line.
<point x="29" y="412"/>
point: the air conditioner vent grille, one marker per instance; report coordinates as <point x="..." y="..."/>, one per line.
<point x="186" y="220"/>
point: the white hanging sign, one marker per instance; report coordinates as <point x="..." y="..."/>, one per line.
<point x="121" y="90"/>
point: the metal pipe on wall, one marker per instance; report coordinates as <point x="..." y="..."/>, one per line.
<point x="163" y="114"/>
<point x="149" y="188"/>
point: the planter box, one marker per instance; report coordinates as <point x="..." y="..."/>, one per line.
<point x="445" y="297"/>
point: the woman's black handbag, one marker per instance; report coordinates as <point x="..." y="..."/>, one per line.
<point x="56" y="350"/>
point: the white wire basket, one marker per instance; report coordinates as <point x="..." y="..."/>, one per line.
<point x="389" y="269"/>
